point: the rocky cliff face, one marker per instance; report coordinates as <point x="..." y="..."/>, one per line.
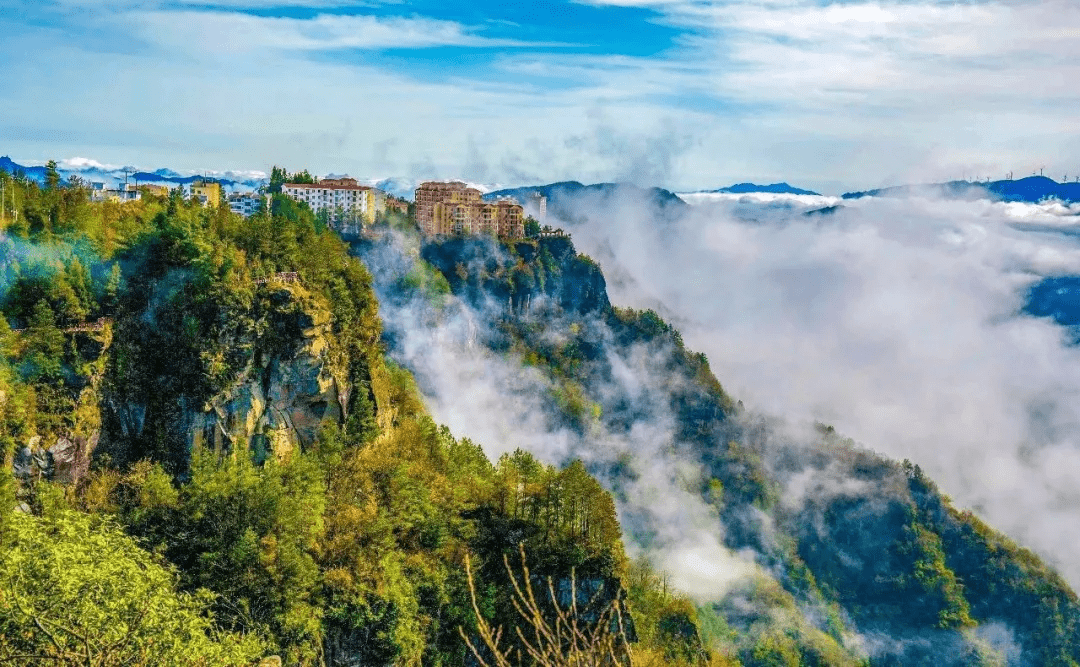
<point x="282" y="375"/>
<point x="522" y="275"/>
<point x="279" y="402"/>
<point x="63" y="453"/>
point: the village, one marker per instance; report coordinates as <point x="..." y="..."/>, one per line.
<point x="441" y="208"/>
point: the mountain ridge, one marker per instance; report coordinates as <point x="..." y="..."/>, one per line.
<point x="1030" y="189"/>
<point x="774" y="188"/>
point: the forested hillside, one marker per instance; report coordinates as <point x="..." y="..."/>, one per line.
<point x="216" y="449"/>
<point x="208" y="459"/>
<point x="859" y="557"/>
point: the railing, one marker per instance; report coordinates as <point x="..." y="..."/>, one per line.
<point x="287" y="277"/>
<point x="85" y="327"/>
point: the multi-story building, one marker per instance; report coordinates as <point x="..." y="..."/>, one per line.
<point x="435" y="204"/>
<point x="245" y="204"/>
<point x="454" y="208"/>
<point x="511" y="218"/>
<point x="538" y="202"/>
<point x="123" y="192"/>
<point x="395" y="204"/>
<point x="348" y="203"/>
<point x="154" y="189"/>
<point x="207" y="192"/>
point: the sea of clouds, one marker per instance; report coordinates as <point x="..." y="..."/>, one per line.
<point x="898" y="321"/>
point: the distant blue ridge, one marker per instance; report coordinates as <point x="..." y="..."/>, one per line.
<point x="95" y="174"/>
<point x="775" y="188"/>
<point x="1058" y="298"/>
<point x="1032" y="189"/>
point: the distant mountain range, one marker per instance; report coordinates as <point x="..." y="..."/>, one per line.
<point x="568" y="200"/>
<point x="775" y="188"/>
<point x="1032" y="189"/>
<point x="90" y="171"/>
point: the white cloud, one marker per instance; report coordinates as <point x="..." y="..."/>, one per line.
<point x="232" y="32"/>
<point x="827" y="96"/>
<point x="894" y="320"/>
<point x="82" y="163"/>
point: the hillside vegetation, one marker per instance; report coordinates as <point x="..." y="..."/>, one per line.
<point x="207" y="461"/>
<point x="211" y="457"/>
<point x="873" y="563"/>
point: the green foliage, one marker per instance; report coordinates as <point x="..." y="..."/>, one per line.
<point x="247" y="533"/>
<point x="425" y="280"/>
<point x="77" y="591"/>
<point x="666" y="621"/>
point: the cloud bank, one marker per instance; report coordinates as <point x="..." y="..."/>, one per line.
<point x="896" y="321"/>
<point x="831" y="95"/>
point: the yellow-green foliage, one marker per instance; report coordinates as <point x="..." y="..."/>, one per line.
<point x="666" y="622"/>
<point x="75" y="590"/>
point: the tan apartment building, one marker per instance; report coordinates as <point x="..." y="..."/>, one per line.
<point x="154" y="189"/>
<point x="454" y="208"/>
<point x="207" y="192"/>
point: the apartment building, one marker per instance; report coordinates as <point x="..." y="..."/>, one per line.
<point x="154" y="189"/>
<point x="443" y="209"/>
<point x="537" y="202"/>
<point x="245" y="204"/>
<point x="350" y="204"/>
<point x="123" y="192"/>
<point x="207" y="192"/>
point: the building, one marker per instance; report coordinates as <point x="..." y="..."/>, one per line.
<point x="245" y="204"/>
<point x="156" y="190"/>
<point x="395" y="204"/>
<point x="349" y="204"/>
<point x="207" y="192"/>
<point x="435" y="204"/>
<point x="511" y="218"/>
<point x="537" y="202"/>
<point x="123" y="192"/>
<point x="443" y="209"/>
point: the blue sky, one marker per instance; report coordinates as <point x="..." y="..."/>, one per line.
<point x="681" y="93"/>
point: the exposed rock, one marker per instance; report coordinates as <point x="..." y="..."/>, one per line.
<point x="279" y="406"/>
<point x="292" y="377"/>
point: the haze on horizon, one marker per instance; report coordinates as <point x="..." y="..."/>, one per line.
<point x="685" y="94"/>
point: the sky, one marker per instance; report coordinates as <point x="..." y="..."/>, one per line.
<point x="684" y="94"/>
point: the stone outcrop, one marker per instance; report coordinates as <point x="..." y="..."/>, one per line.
<point x="287" y="375"/>
<point x="279" y="404"/>
<point x="64" y="456"/>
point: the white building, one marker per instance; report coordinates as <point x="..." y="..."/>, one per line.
<point x="123" y="192"/>
<point x="349" y="204"/>
<point x="245" y="204"/>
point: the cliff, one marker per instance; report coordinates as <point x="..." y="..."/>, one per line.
<point x="868" y="547"/>
<point x="281" y="374"/>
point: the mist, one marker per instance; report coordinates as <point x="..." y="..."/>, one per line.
<point x="499" y="402"/>
<point x="897" y="321"/>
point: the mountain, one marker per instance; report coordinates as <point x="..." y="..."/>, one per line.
<point x="220" y="443"/>
<point x="35" y="173"/>
<point x="93" y="172"/>
<point x="571" y="200"/>
<point x="775" y="188"/>
<point x="1032" y="189"/>
<point x="874" y="551"/>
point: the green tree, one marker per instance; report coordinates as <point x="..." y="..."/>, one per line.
<point x="52" y="176"/>
<point x="44" y="350"/>
<point x="76" y="591"/>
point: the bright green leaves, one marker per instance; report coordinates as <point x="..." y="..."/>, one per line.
<point x="76" y="591"/>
